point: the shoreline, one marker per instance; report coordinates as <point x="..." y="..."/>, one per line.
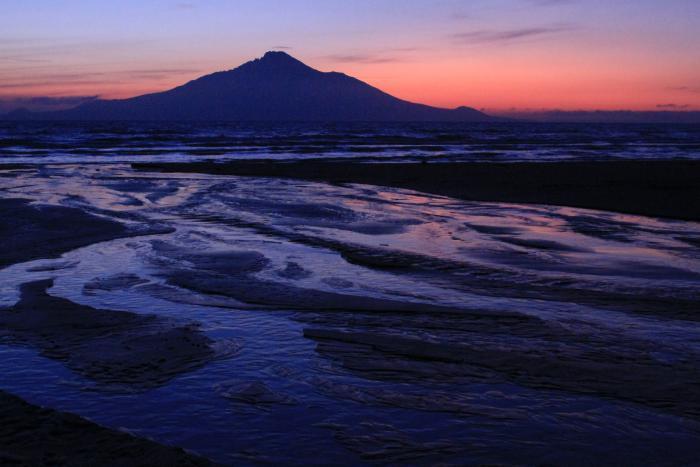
<point x="36" y="435"/>
<point x="648" y="188"/>
<point x="48" y="231"/>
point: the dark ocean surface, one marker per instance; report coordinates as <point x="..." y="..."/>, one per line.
<point x="363" y="325"/>
<point x="499" y="142"/>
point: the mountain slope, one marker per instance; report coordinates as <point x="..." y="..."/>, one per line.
<point x="274" y="87"/>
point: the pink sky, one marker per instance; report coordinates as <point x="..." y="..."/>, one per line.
<point x="496" y="54"/>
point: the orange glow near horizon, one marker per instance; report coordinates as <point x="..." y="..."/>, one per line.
<point x="481" y="84"/>
<point x="525" y="84"/>
<point x="511" y="54"/>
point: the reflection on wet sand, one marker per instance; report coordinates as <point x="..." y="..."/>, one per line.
<point x="359" y="313"/>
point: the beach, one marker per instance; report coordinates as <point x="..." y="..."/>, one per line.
<point x="352" y="311"/>
<point x="108" y="346"/>
<point x="651" y="188"/>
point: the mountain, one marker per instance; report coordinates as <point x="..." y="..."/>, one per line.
<point x="275" y="87"/>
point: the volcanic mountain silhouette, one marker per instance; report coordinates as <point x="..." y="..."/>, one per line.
<point x="276" y="87"/>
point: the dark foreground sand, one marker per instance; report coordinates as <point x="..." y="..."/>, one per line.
<point x="653" y="188"/>
<point x="112" y="347"/>
<point x="31" y="231"/>
<point x="107" y="346"/>
<point x="31" y="435"/>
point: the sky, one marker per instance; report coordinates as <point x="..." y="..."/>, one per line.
<point x="496" y="55"/>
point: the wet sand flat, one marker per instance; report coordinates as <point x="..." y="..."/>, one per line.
<point x="30" y="231"/>
<point x="651" y="188"/>
<point x="348" y="323"/>
<point x="106" y="346"/>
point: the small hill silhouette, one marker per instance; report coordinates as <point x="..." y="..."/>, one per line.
<point x="276" y="87"/>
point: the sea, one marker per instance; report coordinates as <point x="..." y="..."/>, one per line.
<point x="380" y="326"/>
<point x="33" y="142"/>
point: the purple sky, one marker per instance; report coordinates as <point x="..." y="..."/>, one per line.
<point x="494" y="54"/>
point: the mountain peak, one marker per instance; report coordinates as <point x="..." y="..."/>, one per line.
<point x="276" y="63"/>
<point x="278" y="59"/>
<point x="277" y="55"/>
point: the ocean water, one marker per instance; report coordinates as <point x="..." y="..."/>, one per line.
<point x="378" y="325"/>
<point x="501" y="142"/>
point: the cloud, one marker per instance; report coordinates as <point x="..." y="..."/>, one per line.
<point x="52" y="83"/>
<point x="493" y="36"/>
<point x="550" y="2"/>
<point x="20" y="58"/>
<point x="282" y="47"/>
<point x="404" y="49"/>
<point x="31" y="50"/>
<point x="14" y="81"/>
<point x="361" y="58"/>
<point x="691" y="89"/>
<point x="672" y="106"/>
<point x="41" y="103"/>
<point x="156" y="73"/>
<point x="460" y="15"/>
<point x="389" y="55"/>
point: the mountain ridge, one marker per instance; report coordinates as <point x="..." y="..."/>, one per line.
<point x="274" y="87"/>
